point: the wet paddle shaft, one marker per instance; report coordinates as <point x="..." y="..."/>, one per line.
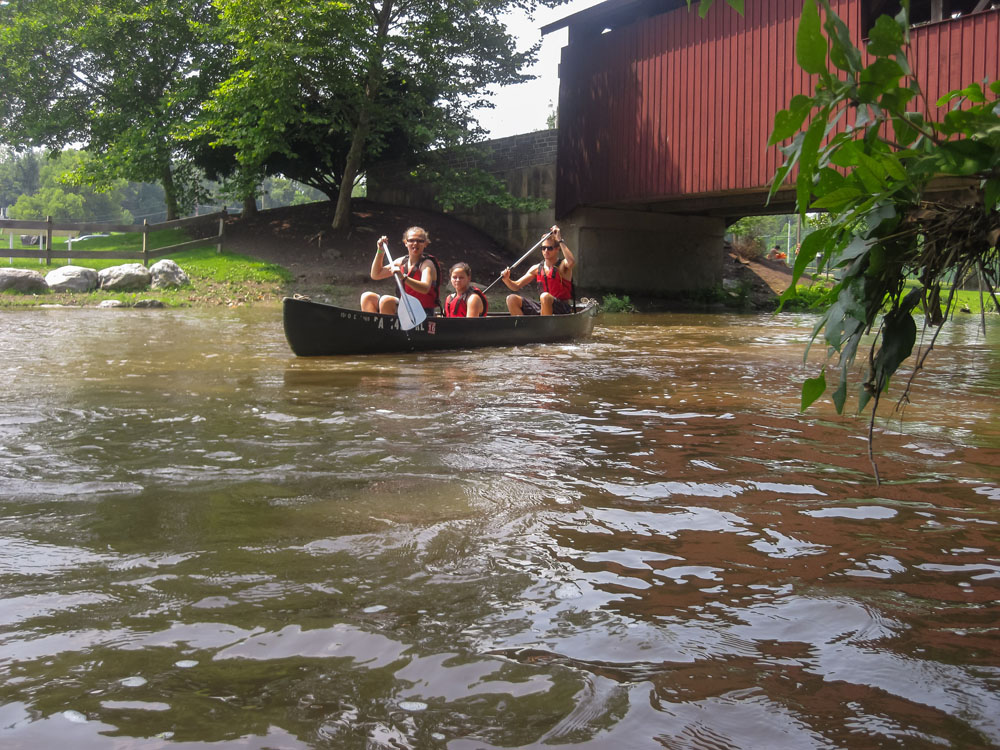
<point x="518" y="261"/>
<point x="411" y="313"/>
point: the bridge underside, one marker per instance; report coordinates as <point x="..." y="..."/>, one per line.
<point x="661" y="247"/>
<point x="666" y="247"/>
<point x="643" y="252"/>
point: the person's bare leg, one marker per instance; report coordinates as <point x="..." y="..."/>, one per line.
<point x="387" y="304"/>
<point x="514" y="304"/>
<point x="369" y="302"/>
<point x="547" y="301"/>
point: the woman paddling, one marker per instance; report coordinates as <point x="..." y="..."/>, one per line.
<point x="419" y="272"/>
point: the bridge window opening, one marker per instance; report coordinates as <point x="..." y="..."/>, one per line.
<point x="924" y="11"/>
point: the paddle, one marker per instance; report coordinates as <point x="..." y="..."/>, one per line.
<point x="411" y="313"/>
<point x="518" y="261"/>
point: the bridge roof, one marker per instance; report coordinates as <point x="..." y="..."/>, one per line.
<point x="611" y="14"/>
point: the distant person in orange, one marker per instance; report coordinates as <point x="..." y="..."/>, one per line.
<point x="419" y="271"/>
<point x="776" y="253"/>
<point x="554" y="277"/>
<point x="468" y="301"/>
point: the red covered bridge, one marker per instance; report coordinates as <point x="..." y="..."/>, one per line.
<point x="664" y="119"/>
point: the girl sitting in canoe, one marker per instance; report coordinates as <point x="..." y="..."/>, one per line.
<point x="419" y="272"/>
<point x="468" y="301"/>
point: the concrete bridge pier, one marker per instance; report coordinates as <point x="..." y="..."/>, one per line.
<point x="639" y="252"/>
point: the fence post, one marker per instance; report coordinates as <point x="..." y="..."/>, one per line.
<point x="222" y="226"/>
<point x="145" y="245"/>
<point x="48" y="241"/>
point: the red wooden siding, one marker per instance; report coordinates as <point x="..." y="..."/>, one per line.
<point x="674" y="105"/>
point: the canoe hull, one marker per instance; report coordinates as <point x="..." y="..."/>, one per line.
<point x="315" y="329"/>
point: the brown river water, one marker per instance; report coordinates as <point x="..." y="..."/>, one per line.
<point x="636" y="541"/>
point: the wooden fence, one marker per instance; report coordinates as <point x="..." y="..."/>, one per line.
<point x="145" y="255"/>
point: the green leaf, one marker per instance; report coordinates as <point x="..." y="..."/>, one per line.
<point x="812" y="389"/>
<point x="965" y="157"/>
<point x="879" y="79"/>
<point x="808" y="159"/>
<point x="855" y="247"/>
<point x="840" y="395"/>
<point x="843" y="53"/>
<point x="812" y="245"/>
<point x="864" y="396"/>
<point x="886" y="38"/>
<point x="837" y="200"/>
<point x="787" y="122"/>
<point x="893" y="167"/>
<point x="828" y="180"/>
<point x="847" y="154"/>
<point x="974" y="93"/>
<point x="876" y="259"/>
<point x="810" y="44"/>
<point x="899" y="333"/>
<point x="834" y="329"/>
<point x="878" y="217"/>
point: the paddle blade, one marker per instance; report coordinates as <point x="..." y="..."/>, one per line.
<point x="410" y="312"/>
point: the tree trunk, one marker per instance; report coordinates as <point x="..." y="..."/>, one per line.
<point x="342" y="215"/>
<point x="170" y="194"/>
<point x="250" y="206"/>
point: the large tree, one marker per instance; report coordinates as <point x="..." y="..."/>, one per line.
<point x="116" y="77"/>
<point x="19" y="175"/>
<point x="320" y="89"/>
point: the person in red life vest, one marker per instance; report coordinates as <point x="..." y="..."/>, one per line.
<point x="419" y="270"/>
<point x="554" y="277"/>
<point x="468" y="301"/>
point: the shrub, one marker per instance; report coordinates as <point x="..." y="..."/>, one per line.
<point x="614" y="304"/>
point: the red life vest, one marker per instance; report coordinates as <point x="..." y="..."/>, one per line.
<point x="428" y="300"/>
<point x="456" y="307"/>
<point x="552" y="282"/>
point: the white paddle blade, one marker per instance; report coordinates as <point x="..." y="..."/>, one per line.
<point x="410" y="312"/>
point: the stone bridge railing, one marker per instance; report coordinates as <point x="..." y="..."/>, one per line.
<point x="525" y="163"/>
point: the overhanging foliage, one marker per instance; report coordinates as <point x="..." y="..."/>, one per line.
<point x="868" y="152"/>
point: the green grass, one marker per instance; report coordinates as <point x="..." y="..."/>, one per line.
<point x="806" y="298"/>
<point x="966" y="301"/>
<point x="216" y="279"/>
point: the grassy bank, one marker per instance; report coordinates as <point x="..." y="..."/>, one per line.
<point x="215" y="278"/>
<point x="966" y="301"/>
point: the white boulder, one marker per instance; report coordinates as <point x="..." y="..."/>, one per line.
<point x="22" y="280"/>
<point x="124" y="278"/>
<point x="71" y="279"/>
<point x="166" y="273"/>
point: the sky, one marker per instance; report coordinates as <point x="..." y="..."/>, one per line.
<point x="525" y="107"/>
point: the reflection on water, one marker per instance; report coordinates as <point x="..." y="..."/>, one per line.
<point x="632" y="541"/>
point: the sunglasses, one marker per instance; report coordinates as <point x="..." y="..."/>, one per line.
<point x="549" y="247"/>
<point x="415" y="239"/>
